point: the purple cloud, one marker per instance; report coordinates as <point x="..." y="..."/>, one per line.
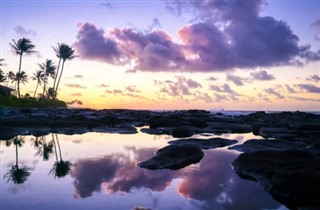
<point x="93" y="44"/>
<point x="262" y="76"/>
<point x="314" y="78"/>
<point x="236" y="79"/>
<point x="272" y="91"/>
<point x="75" y="86"/>
<point x="309" y="88"/>
<point x="24" y="32"/>
<point x="102" y="85"/>
<point x="76" y="94"/>
<point x="132" y="89"/>
<point x="212" y="79"/>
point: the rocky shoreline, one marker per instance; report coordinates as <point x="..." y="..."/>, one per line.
<point x="286" y="162"/>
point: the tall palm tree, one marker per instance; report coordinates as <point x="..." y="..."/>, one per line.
<point x="18" y="174"/>
<point x="39" y="76"/>
<point x="20" y="47"/>
<point x="49" y="71"/>
<point x="64" y="52"/>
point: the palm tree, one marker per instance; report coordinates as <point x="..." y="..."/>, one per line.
<point x="20" y="47"/>
<point x="17" y="174"/>
<point x="49" y="70"/>
<point x="10" y="76"/>
<point x="19" y="77"/>
<point x="63" y="52"/>
<point x="60" y="168"/>
<point x="39" y="76"/>
<point x="2" y="75"/>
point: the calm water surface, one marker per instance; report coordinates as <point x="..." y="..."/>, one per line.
<point x="98" y="171"/>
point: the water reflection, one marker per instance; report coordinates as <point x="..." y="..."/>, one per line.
<point x="60" y="168"/>
<point x="209" y="185"/>
<point x="16" y="174"/>
<point x="102" y="171"/>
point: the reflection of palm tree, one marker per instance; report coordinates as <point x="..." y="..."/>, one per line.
<point x="20" y="47"/>
<point x="18" y="174"/>
<point x="45" y="149"/>
<point x="64" y="52"/>
<point x="60" y="168"/>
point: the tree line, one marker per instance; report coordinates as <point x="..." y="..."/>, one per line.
<point x="46" y="70"/>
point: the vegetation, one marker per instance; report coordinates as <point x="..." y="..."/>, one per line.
<point x="31" y="102"/>
<point x="46" y="71"/>
<point x="20" y="47"/>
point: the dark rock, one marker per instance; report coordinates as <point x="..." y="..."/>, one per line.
<point x="211" y="143"/>
<point x="39" y="131"/>
<point x="173" y="157"/>
<point x="291" y="177"/>
<point x="72" y="130"/>
<point x="119" y="129"/>
<point x="270" y="145"/>
<point x="182" y="132"/>
<point x="227" y="127"/>
<point x="154" y="131"/>
<point x="7" y="133"/>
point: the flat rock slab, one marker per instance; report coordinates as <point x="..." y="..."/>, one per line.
<point x="173" y="157"/>
<point x="211" y="143"/>
<point x="269" y="145"/>
<point x="118" y="130"/>
<point x="291" y="177"/>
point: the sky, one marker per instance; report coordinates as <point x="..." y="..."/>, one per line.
<point x="174" y="54"/>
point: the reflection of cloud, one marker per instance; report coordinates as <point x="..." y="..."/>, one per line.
<point x="210" y="185"/>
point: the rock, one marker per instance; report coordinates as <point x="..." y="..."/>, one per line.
<point x="154" y="131"/>
<point x="272" y="132"/>
<point x="291" y="177"/>
<point x="227" y="127"/>
<point x="127" y="129"/>
<point x="182" y="132"/>
<point x="7" y="133"/>
<point x="173" y="157"/>
<point x="72" y="130"/>
<point x="40" y="131"/>
<point x="211" y="143"/>
<point x="269" y="145"/>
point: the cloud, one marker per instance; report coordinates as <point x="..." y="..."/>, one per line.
<point x="316" y="26"/>
<point x="24" y="32"/>
<point x="114" y="91"/>
<point x="274" y="92"/>
<point x="212" y="79"/>
<point x="304" y="99"/>
<point x="225" y="35"/>
<point x="132" y="89"/>
<point x="262" y="76"/>
<point x="225" y="88"/>
<point x="78" y="76"/>
<point x="106" y="5"/>
<point x="76" y="94"/>
<point x="180" y="87"/>
<point x="94" y="45"/>
<point x="101" y="85"/>
<point x="236" y="79"/>
<point x="314" y="78"/>
<point x="290" y="89"/>
<point x="75" y="86"/>
<point x="309" y="88"/>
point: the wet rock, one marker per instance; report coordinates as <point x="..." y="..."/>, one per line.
<point x="72" y="130"/>
<point x="39" y="131"/>
<point x="291" y="177"/>
<point x="211" y="143"/>
<point x="154" y="131"/>
<point x="182" y="132"/>
<point x="7" y="133"/>
<point x="173" y="157"/>
<point x="269" y="145"/>
<point x="226" y="127"/>
<point x="119" y="129"/>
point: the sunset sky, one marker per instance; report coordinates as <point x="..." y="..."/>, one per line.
<point x="174" y="54"/>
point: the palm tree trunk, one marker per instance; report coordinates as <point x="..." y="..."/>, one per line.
<point x="8" y="81"/>
<point x="55" y="78"/>
<point x="34" y="95"/>
<point x="55" y="146"/>
<point x="45" y="85"/>
<point x="59" y="147"/>
<point x="56" y="91"/>
<point x="17" y="155"/>
<point x="20" y="63"/>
